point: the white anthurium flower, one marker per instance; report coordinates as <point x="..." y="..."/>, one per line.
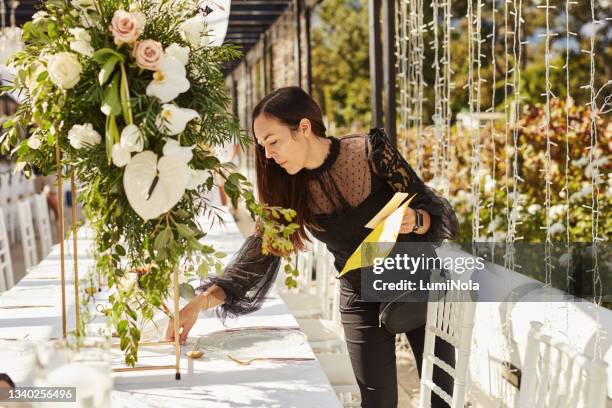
<point x="121" y="155"/>
<point x="174" y="148"/>
<point x="154" y="186"/>
<point x="172" y="120"/>
<point x="197" y="178"/>
<point x="169" y="80"/>
<point x="193" y="30"/>
<point x="180" y="53"/>
<point x="132" y="139"/>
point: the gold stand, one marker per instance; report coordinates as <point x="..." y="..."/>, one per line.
<point x="60" y="232"/>
<point x="74" y="250"/>
<point x="176" y="342"/>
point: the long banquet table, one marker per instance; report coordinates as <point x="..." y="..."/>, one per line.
<point x="207" y="382"/>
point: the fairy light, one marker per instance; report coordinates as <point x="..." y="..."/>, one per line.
<point x="594" y="165"/>
<point x="548" y="159"/>
<point x="448" y="84"/>
<point x="416" y="76"/>
<point x="492" y="124"/>
<point x="404" y="84"/>
<point x="437" y="117"/>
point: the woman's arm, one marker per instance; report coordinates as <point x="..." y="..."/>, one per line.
<point x="240" y="289"/>
<point x="388" y="164"/>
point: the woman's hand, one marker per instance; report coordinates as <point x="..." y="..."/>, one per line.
<point x="188" y="315"/>
<point x="409" y="222"/>
<point x="187" y="318"/>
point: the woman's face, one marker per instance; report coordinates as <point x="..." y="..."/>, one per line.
<point x="288" y="149"/>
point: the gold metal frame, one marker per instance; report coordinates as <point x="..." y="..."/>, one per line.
<point x="177" y="345"/>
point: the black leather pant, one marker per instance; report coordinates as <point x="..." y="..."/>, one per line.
<point x="372" y="352"/>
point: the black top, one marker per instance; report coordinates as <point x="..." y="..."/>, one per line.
<point x="357" y="178"/>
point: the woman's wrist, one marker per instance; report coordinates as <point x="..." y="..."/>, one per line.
<point x="426" y="222"/>
<point x="212" y="297"/>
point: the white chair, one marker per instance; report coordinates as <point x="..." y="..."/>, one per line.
<point x="28" y="240"/>
<point x="6" y="266"/>
<point x="8" y="197"/>
<point x="326" y="334"/>
<point x="305" y="304"/>
<point x="43" y="225"/>
<point x="554" y="376"/>
<point x="450" y="316"/>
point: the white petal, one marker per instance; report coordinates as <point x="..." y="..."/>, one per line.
<point x="173" y="148"/>
<point x="180" y="53"/>
<point x="121" y="156"/>
<point x="197" y="178"/>
<point x="132" y="139"/>
<point x="174" y="118"/>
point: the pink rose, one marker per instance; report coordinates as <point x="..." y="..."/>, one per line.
<point x="147" y="53"/>
<point x="126" y="27"/>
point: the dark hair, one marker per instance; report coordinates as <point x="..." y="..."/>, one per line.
<point x="7" y="379"/>
<point x="276" y="187"/>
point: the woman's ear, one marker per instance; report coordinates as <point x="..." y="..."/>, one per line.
<point x="305" y="127"/>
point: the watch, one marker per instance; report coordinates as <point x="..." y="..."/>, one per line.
<point x="419" y="221"/>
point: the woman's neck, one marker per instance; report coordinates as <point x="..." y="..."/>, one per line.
<point x="318" y="150"/>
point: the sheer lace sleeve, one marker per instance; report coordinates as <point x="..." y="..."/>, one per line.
<point x="246" y="279"/>
<point x="388" y="164"/>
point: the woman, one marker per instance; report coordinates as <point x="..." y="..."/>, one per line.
<point x="336" y="186"/>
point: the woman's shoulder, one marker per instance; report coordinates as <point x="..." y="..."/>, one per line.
<point x="354" y="144"/>
<point x="372" y="142"/>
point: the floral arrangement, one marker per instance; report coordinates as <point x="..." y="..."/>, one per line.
<point x="130" y="97"/>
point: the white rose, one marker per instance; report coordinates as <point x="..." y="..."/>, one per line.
<point x="192" y="30"/>
<point x="180" y="53"/>
<point x="121" y="155"/>
<point x="34" y="142"/>
<point x="64" y="69"/>
<point x="132" y="139"/>
<point x="83" y="136"/>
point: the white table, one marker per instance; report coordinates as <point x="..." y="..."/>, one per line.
<point x="207" y="382"/>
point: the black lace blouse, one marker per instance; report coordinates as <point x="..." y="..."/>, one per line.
<point x="357" y="178"/>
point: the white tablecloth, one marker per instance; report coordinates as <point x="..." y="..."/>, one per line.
<point x="207" y="382"/>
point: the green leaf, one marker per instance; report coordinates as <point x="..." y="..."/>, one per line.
<point x="184" y="230"/>
<point x="203" y="269"/>
<point x="112" y="134"/>
<point x="103" y="54"/>
<point x="186" y="291"/>
<point x="120" y="250"/>
<point x="111" y="103"/>
<point x="107" y="69"/>
<point x="135" y="333"/>
<point x="235" y="178"/>
<point x="207" y="249"/>
<point x="124" y="93"/>
<point x="124" y="343"/>
<point x="122" y="327"/>
<point x="163" y="239"/>
<point x="220" y="254"/>
<point x="209" y="162"/>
